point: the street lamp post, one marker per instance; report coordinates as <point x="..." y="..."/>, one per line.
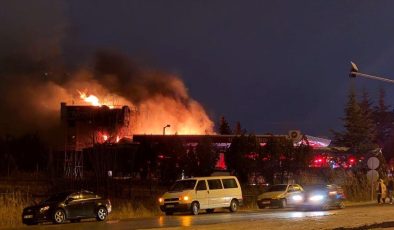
<point x="354" y="72"/>
<point x="372" y="164"/>
<point x="164" y="129"/>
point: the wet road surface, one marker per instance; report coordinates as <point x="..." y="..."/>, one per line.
<point x="185" y="220"/>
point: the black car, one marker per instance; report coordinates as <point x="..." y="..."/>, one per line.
<point x="73" y="206"/>
<point x="322" y="197"/>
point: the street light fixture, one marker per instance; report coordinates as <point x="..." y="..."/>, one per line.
<point x="354" y="72"/>
<point x="164" y="129"/>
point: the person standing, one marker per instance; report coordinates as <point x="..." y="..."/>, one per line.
<point x="390" y="188"/>
<point x="381" y="191"/>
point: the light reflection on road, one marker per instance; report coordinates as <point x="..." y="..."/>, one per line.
<point x="186" y="221"/>
<point x="307" y="214"/>
<point x="161" y="221"/>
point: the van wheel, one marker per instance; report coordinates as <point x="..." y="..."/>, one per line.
<point x="210" y="210"/>
<point x="234" y="205"/>
<point x="169" y="213"/>
<point x="283" y="203"/>
<point x="195" y="207"/>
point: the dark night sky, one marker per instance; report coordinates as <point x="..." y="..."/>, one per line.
<point x="273" y="65"/>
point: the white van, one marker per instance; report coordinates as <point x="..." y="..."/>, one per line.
<point x="206" y="193"/>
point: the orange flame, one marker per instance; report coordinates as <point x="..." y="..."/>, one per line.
<point x="155" y="113"/>
<point x="92" y="99"/>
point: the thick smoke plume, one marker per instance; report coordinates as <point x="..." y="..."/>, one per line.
<point x="34" y="79"/>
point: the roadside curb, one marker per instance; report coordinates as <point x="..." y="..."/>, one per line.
<point x="347" y="203"/>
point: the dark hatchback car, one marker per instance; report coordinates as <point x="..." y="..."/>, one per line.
<point x="73" y="206"/>
<point x="322" y="197"/>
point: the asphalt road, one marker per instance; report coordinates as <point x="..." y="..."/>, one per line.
<point x="221" y="216"/>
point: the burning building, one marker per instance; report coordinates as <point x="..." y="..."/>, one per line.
<point x="84" y="126"/>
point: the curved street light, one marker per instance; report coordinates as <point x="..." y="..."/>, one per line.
<point x="355" y="72"/>
<point x="164" y="129"/>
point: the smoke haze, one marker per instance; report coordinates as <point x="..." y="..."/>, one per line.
<point x="34" y="79"/>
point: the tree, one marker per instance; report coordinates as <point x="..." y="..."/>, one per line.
<point x="277" y="156"/>
<point x="243" y="156"/>
<point x="206" y="157"/>
<point x="169" y="153"/>
<point x="359" y="134"/>
<point x="224" y="128"/>
<point x="367" y="114"/>
<point x="238" y="129"/>
<point x="384" y="125"/>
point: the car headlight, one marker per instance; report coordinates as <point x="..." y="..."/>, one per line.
<point x="43" y="209"/>
<point x="161" y="200"/>
<point x="332" y="193"/>
<point x="297" y="198"/>
<point x="184" y="198"/>
<point x="316" y="198"/>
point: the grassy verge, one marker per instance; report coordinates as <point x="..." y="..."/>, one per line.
<point x="126" y="209"/>
<point x="12" y="205"/>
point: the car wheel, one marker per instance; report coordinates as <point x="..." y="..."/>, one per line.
<point x="195" y="207"/>
<point x="101" y="214"/>
<point x="210" y="210"/>
<point x="260" y="206"/>
<point x="234" y="205"/>
<point x="283" y="203"/>
<point x="169" y="213"/>
<point x="59" y="216"/>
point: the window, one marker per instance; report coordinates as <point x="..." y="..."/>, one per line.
<point x="215" y="184"/>
<point x="201" y="185"/>
<point x="229" y="183"/>
<point x="88" y="195"/>
<point x="182" y="185"/>
<point x="74" y="196"/>
<point x="296" y="188"/>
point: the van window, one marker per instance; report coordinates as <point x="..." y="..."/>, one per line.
<point x="229" y="183"/>
<point x="181" y="185"/>
<point x="201" y="185"/>
<point x="215" y="184"/>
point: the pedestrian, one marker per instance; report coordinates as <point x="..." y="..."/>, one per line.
<point x="381" y="191"/>
<point x="390" y="188"/>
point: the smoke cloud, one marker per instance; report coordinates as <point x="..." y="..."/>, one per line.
<point x="34" y="79"/>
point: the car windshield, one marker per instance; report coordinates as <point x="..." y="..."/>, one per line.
<point x="278" y="187"/>
<point x="181" y="185"/>
<point x="56" y="198"/>
<point x="316" y="187"/>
